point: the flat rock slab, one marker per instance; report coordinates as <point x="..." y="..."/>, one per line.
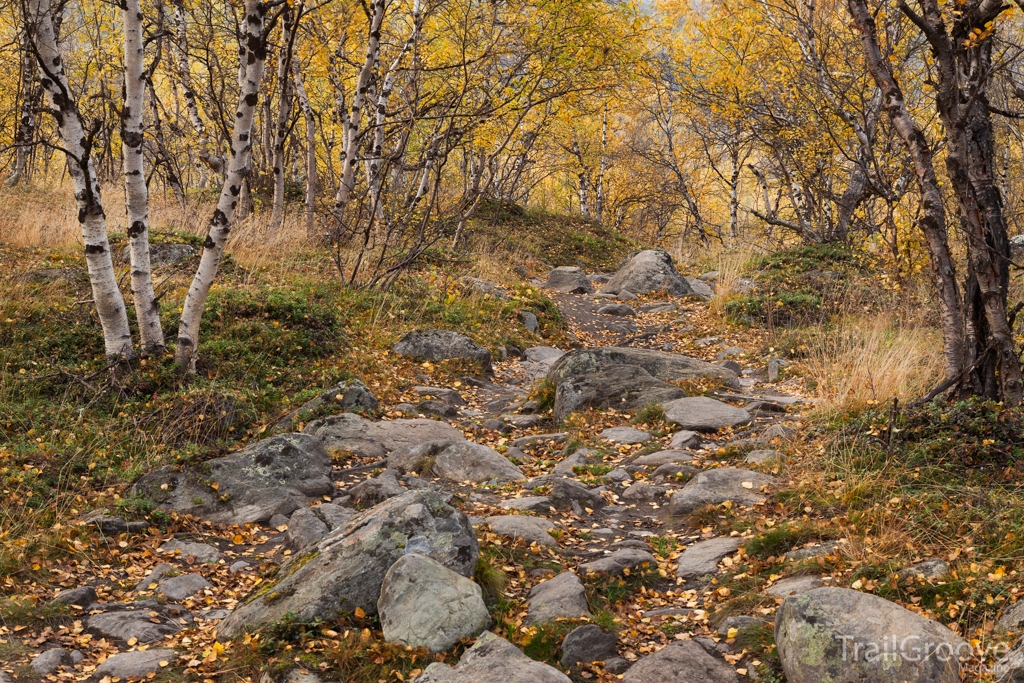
<point x="493" y="660"/>
<point x="703" y="414"/>
<point x="177" y="588"/>
<point x="273" y="476"/>
<point x="827" y="634"/>
<point x="472" y="462"/>
<point x="203" y="553"/>
<point x="424" y="604"/>
<point x="145" y="620"/>
<point x="714" y="487"/>
<point x="762" y="456"/>
<point x="527" y="503"/>
<point x="345" y="570"/>
<point x="562" y="597"/>
<point x="81" y="596"/>
<point x="536" y="439"/>
<point x="348" y="432"/>
<point x="438" y="345"/>
<point x="619" y="561"/>
<point x="663" y="457"/>
<point x="701" y="559"/>
<point x="530" y="529"/>
<point x="683" y="661"/>
<point x="625" y="435"/>
<point x="794" y="585"/>
<point x="136" y="663"/>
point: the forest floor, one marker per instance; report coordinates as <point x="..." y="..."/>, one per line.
<point x="866" y="486"/>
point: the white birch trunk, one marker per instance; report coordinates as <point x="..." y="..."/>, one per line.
<point x="117" y="340"/>
<point x="147" y="311"/>
<point x="311" y="178"/>
<point x="252" y="59"/>
<point x="284" y="113"/>
<point x="212" y="161"/>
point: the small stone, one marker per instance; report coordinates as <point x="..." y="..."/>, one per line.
<point x="622" y="310"/>
<point x="561" y="597"/>
<point x="663" y="457"/>
<point x="238" y="566"/>
<point x="527" y="503"/>
<point x="569" y="280"/>
<point x="587" y="644"/>
<point x="496" y="425"/>
<point x="626" y="295"/>
<point x="700" y="561"/>
<point x="177" y="588"/>
<point x="565" y="492"/>
<point x="761" y="456"/>
<point x="714" y="487"/>
<point x="642" y="492"/>
<point x="683" y="661"/>
<point x="794" y="585"/>
<point x="278" y="520"/>
<point x="50" y="661"/>
<point x="933" y="568"/>
<point x="145" y="620"/>
<point x="733" y="365"/>
<point x="530" y="529"/>
<point x="738" y="622"/>
<point x="619" y="561"/>
<point x="701" y="413"/>
<point x="625" y="435"/>
<point x="729" y="352"/>
<point x="619" y="476"/>
<point x="81" y="596"/>
<point x="134" y="663"/>
<point x="200" y="552"/>
<point x="159" y="572"/>
<point x="530" y="321"/>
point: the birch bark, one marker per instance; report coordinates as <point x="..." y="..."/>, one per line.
<point x="117" y="340"/>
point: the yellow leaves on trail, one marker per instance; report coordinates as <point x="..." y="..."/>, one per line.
<point x="238" y="539"/>
<point x="360" y="614"/>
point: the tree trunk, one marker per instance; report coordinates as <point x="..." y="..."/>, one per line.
<point x="933" y="218"/>
<point x="311" y="179"/>
<point x="147" y="310"/>
<point x="77" y="142"/>
<point x="26" y="124"/>
<point x="284" y="112"/>
<point x="250" y="78"/>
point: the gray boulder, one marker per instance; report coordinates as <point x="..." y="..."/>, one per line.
<point x="651" y="270"/>
<point x="569" y="280"/>
<point x="203" y="553"/>
<point x="685" y="439"/>
<point x="700" y="561"/>
<point x="346" y="568"/>
<point x="438" y="345"/>
<point x="714" y="487"/>
<point x="562" y="597"/>
<point x="642" y="492"/>
<point x="659" y="458"/>
<point x="177" y="588"/>
<point x="624" y="378"/>
<point x="622" y="310"/>
<point x="588" y="643"/>
<point x="625" y="435"/>
<point x="274" y="476"/>
<point x="683" y="661"/>
<point x="376" y="490"/>
<point x="527" y="503"/>
<point x="837" y="634"/>
<point x="146" y="620"/>
<point x="493" y="659"/>
<point x="619" y="561"/>
<point x="704" y="414"/>
<point x="349" y="433"/>
<point x="424" y="604"/>
<point x="565" y="492"/>
<point x="139" y="664"/>
<point x="351" y="394"/>
<point x="50" y="661"/>
<point x="304" y="528"/>
<point x="530" y="529"/>
<point x="81" y="596"/>
<point x="700" y="288"/>
<point x="467" y="461"/>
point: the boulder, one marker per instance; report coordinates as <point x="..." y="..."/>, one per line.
<point x="190" y="552"/>
<point x="527" y="503"/>
<point x="569" y="280"/>
<point x="619" y="561"/>
<point x="683" y="661"/>
<point x="685" y="439"/>
<point x="703" y="414"/>
<point x="467" y="461"/>
<point x="564" y="492"/>
<point x="642" y="492"/>
<point x="424" y="604"/>
<point x="146" y="620"/>
<point x="49" y="661"/>
<point x="346" y="568"/>
<point x="624" y="378"/>
<point x="714" y="487"/>
<point x="700" y="288"/>
<point x="621" y="310"/>
<point x="351" y="394"/>
<point x="274" y="476"/>
<point x="562" y="597"/>
<point x="437" y="409"/>
<point x="177" y="588"/>
<point x="438" y="345"/>
<point x="349" y="433"/>
<point x="493" y="659"/>
<point x="376" y="490"/>
<point x="651" y="270"/>
<point x="838" y="634"/>
<point x="543" y="354"/>
<point x="624" y="435"/>
<point x="794" y="585"/>
<point x="136" y="663"/>
<point x="304" y="528"/>
<point x="81" y="596"/>
<point x="588" y="643"/>
<point x="659" y="458"/>
<point x="530" y="529"/>
<point x="700" y="560"/>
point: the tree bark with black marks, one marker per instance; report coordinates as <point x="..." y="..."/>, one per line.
<point x="250" y="77"/>
<point x="284" y="111"/>
<point x="26" y="125"/>
<point x="147" y="310"/>
<point x="77" y="141"/>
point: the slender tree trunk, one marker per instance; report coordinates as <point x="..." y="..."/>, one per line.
<point x="211" y="161"/>
<point x="933" y="218"/>
<point x="284" y="112"/>
<point x="734" y="194"/>
<point x="311" y="177"/>
<point x="147" y="310"/>
<point x="601" y="168"/>
<point x="26" y="125"/>
<point x="250" y="78"/>
<point x="77" y="142"/>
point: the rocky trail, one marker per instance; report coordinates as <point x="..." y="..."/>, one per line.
<point x="600" y="515"/>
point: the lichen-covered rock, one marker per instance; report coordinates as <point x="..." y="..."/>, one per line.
<point x="842" y="635"/>
<point x="704" y="414"/>
<point x="467" y="461"/>
<point x="714" y="487"/>
<point x="438" y="345"/>
<point x="651" y="270"/>
<point x="700" y="560"/>
<point x="424" y="604"/>
<point x="350" y="433"/>
<point x="136" y="663"/>
<point x="346" y="568"/>
<point x="683" y="661"/>
<point x="145" y="620"/>
<point x="351" y="394"/>
<point x="625" y="377"/>
<point x="562" y="597"/>
<point x="273" y="476"/>
<point x="493" y="660"/>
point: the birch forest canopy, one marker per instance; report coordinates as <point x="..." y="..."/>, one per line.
<point x="549" y="341"/>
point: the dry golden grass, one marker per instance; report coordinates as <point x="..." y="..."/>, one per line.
<point x="863" y="360"/>
<point x="731" y="265"/>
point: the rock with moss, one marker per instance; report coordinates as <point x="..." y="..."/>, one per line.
<point x="274" y="476"/>
<point x="350" y="395"/>
<point x="424" y="604"/>
<point x="625" y="378"/>
<point x="438" y="345"/>
<point x="350" y="433"/>
<point x="345" y="570"/>
<point x="681" y="662"/>
<point x="650" y="270"/>
<point x="493" y="658"/>
<point x="838" y="635"/>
